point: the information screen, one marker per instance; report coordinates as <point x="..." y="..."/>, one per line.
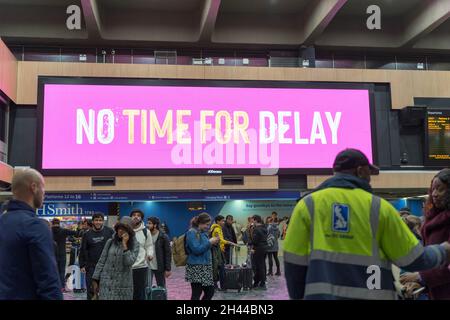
<point x="204" y="127"/>
<point x="438" y="137"/>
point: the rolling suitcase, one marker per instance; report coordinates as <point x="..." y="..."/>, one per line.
<point x="247" y="278"/>
<point x="156" y="293"/>
<point x="233" y="276"/>
<point x="247" y="273"/>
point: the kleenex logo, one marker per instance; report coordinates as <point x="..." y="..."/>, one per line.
<point x="214" y="171"/>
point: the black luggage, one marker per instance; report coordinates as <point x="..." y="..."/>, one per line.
<point x="247" y="278"/>
<point x="233" y="279"/>
<point x="247" y="273"/>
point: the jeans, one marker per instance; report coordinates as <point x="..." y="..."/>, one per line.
<point x="259" y="267"/>
<point x="273" y="255"/>
<point x="139" y="283"/>
<point x="89" y="273"/>
<point x="61" y="262"/>
<point x="159" y="276"/>
<point x="221" y="275"/>
<point x="227" y="254"/>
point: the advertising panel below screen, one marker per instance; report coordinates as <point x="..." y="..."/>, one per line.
<point x="238" y="126"/>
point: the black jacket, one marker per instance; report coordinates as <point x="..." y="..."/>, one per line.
<point x="60" y="237"/>
<point x="92" y="246"/>
<point x="163" y="252"/>
<point x="259" y="238"/>
<point x="27" y="264"/>
<point x="228" y="233"/>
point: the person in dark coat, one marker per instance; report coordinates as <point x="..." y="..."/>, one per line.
<point x="435" y="230"/>
<point x="161" y="264"/>
<point x="272" y="248"/>
<point x="60" y="237"/>
<point x="27" y="260"/>
<point x="258" y="243"/>
<point x="92" y="245"/>
<point x="230" y="235"/>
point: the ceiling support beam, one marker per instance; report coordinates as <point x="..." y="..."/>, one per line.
<point x="317" y="17"/>
<point x="92" y="18"/>
<point x="208" y="19"/>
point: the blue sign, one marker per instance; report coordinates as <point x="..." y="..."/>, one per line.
<point x="341" y="218"/>
<point x="72" y="209"/>
<point x="170" y="196"/>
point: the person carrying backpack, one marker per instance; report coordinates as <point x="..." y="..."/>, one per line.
<point x="272" y="246"/>
<point x="146" y="253"/>
<point x="160" y="266"/>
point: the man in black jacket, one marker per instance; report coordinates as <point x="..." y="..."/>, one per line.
<point x="27" y="264"/>
<point x="160" y="265"/>
<point x="230" y="235"/>
<point x="92" y="245"/>
<point x="258" y="243"/>
<point x="60" y="237"/>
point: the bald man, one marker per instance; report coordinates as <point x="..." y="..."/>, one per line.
<point x="27" y="262"/>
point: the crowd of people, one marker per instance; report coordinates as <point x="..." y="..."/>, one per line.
<point x="339" y="228"/>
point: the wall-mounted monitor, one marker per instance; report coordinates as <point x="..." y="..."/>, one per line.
<point x="437" y="137"/>
<point x="162" y="127"/>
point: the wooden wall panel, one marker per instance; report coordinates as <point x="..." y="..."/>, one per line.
<point x="8" y="72"/>
<point x="271" y="74"/>
<point x="389" y="180"/>
<point x="138" y="183"/>
<point x="380" y="76"/>
<point x="405" y="84"/>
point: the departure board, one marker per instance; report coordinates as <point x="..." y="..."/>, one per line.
<point x="438" y="137"/>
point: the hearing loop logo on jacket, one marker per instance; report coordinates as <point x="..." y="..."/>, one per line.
<point x="341" y="218"/>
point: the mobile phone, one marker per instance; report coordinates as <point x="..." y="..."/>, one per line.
<point x="418" y="291"/>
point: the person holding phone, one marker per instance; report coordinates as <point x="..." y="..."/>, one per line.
<point x="199" y="270"/>
<point x="113" y="276"/>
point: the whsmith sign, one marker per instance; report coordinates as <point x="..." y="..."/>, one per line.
<point x="72" y="209"/>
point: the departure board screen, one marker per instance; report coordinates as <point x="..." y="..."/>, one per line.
<point x="438" y="137"/>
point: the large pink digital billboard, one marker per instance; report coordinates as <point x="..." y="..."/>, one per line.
<point x="104" y="126"/>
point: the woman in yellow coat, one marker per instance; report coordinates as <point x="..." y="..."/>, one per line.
<point x="218" y="250"/>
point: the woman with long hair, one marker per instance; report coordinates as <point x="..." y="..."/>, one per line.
<point x="199" y="270"/>
<point x="435" y="230"/>
<point x="113" y="276"/>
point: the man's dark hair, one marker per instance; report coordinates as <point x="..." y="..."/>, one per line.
<point x="56" y="222"/>
<point x="137" y="211"/>
<point x="155" y="221"/>
<point x="229" y="216"/>
<point x="98" y="215"/>
<point x="257" y="218"/>
<point x="218" y="218"/>
<point x="275" y="213"/>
